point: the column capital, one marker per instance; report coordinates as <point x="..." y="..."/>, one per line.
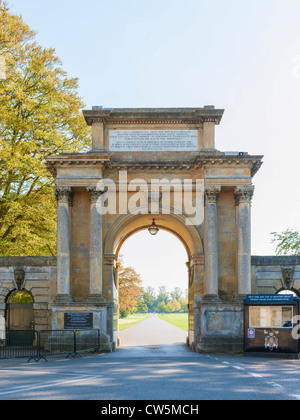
<point x="243" y="194"/>
<point x="64" y="195"/>
<point x="211" y="194"/>
<point x="94" y="193"/>
<point x="197" y="259"/>
<point x="110" y="259"/>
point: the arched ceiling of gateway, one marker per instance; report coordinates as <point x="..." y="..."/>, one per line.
<point x="126" y="226"/>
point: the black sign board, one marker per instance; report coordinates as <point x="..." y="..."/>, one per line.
<point x="79" y="321"/>
<point x="270" y="299"/>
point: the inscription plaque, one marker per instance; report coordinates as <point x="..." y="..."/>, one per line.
<point x="78" y="321"/>
<point x="153" y="140"/>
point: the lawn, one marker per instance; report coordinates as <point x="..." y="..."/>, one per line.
<point x="179" y="320"/>
<point x="131" y="320"/>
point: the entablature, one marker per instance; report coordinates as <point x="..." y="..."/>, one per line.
<point x="216" y="165"/>
<point x="152" y="116"/>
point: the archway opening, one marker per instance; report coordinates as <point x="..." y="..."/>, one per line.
<point x="19" y="311"/>
<point x="20" y="297"/>
<point x="159" y="315"/>
<point x="293" y="292"/>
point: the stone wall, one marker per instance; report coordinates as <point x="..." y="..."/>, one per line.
<point x="269" y="274"/>
<point x="39" y="281"/>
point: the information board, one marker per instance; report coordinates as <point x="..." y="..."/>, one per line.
<point x="78" y="321"/>
<point x="270" y="299"/>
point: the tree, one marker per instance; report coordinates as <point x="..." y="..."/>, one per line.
<point x="163" y="295"/>
<point x="161" y="307"/>
<point x="183" y="301"/>
<point x="129" y="290"/>
<point x="174" y="305"/>
<point x="141" y="308"/>
<point x="40" y="114"/>
<point x="177" y="293"/>
<point x="148" y="298"/>
<point x="288" y="242"/>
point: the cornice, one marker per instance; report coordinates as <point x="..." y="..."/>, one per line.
<point x="153" y="116"/>
<point x="201" y="160"/>
<point x="85" y="159"/>
<point x="218" y="160"/>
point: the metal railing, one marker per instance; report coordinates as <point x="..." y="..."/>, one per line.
<point x="19" y="344"/>
<point x="39" y="345"/>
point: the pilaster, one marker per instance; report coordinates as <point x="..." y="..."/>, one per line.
<point x="211" y="242"/>
<point x="64" y="197"/>
<point x="96" y="252"/>
<point x="243" y="197"/>
<point x="97" y="136"/>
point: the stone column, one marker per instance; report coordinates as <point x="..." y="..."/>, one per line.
<point x="243" y="196"/>
<point x="211" y="243"/>
<point x="197" y="265"/>
<point x="96" y="252"/>
<point x="110" y="267"/>
<point x="64" y="197"/>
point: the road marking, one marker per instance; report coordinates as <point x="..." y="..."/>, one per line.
<point x="47" y="385"/>
<point x="238" y="368"/>
<point x="34" y="372"/>
<point x="278" y="387"/>
<point x="255" y="375"/>
<point x="275" y="385"/>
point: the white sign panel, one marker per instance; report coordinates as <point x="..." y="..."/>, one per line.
<point x="153" y="140"/>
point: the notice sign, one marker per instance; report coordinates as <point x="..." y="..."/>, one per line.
<point x="153" y="140"/>
<point x="269" y="299"/>
<point x="251" y="333"/>
<point x="78" y="321"/>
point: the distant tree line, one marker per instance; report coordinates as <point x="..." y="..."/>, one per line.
<point x="133" y="298"/>
<point x="162" y="302"/>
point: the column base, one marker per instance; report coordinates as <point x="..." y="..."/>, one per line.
<point x="220" y="344"/>
<point x="211" y="299"/>
<point x="240" y="298"/>
<point x="221" y="326"/>
<point x="63" y="299"/>
<point x="96" y="299"/>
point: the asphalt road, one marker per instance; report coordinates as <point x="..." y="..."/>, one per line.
<point x="151" y="366"/>
<point x="152" y="332"/>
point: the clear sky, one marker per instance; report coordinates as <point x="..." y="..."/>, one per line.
<point x="238" y="55"/>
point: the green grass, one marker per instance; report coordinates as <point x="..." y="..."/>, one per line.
<point x="131" y="320"/>
<point x="179" y="320"/>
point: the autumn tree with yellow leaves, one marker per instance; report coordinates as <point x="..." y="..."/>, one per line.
<point x="129" y="290"/>
<point x="40" y="115"/>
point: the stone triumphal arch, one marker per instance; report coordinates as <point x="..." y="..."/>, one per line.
<point x="115" y="190"/>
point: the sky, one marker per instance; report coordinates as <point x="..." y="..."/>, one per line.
<point x="240" y="56"/>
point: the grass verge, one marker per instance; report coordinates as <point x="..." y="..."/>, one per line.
<point x="179" y="320"/>
<point x="131" y="320"/>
